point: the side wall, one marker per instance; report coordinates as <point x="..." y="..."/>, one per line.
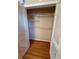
<point x="23" y="34"/>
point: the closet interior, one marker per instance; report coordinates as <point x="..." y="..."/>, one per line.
<point x="40" y="22"/>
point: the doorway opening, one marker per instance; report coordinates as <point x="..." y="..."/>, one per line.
<point x="40" y="22"/>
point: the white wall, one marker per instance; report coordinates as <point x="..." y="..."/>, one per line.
<point x="23" y="34"/>
<point x="20" y="1"/>
<point x="41" y="30"/>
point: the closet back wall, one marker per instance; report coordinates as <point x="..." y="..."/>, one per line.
<point x="40" y="23"/>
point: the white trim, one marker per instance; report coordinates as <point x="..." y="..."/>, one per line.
<point x="41" y="40"/>
<point x="55" y="44"/>
<point x="50" y="3"/>
<point x="53" y="30"/>
<point x="52" y="38"/>
<point x="58" y="55"/>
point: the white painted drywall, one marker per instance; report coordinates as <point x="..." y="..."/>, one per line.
<point x="23" y="33"/>
<point x="40" y="28"/>
<point x="21" y="1"/>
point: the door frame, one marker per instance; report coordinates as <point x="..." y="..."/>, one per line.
<point x="53" y="41"/>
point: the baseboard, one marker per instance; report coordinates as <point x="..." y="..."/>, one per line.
<point x="41" y="40"/>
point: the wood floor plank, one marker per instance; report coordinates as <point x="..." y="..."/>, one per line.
<point x="38" y="50"/>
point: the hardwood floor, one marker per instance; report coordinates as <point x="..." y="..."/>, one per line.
<point x="38" y="50"/>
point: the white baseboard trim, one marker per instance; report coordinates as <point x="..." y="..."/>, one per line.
<point x="41" y="40"/>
